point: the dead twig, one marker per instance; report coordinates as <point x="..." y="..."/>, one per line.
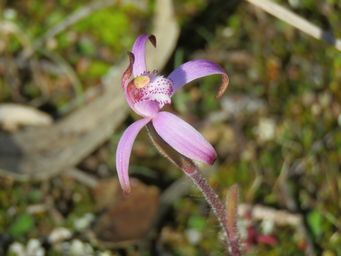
<point x="297" y="21"/>
<point x="13" y="116"/>
<point x="279" y="217"/>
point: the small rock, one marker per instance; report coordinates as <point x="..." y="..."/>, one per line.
<point x="34" y="248"/>
<point x="77" y="248"/>
<point x="58" y="235"/>
<point x="266" y="129"/>
<point x="267" y="226"/>
<point x="84" y="222"/>
<point x="193" y="236"/>
<point x="17" y="249"/>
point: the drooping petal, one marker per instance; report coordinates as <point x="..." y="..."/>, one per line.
<point x="124" y="150"/>
<point x="183" y="137"/>
<point x="194" y="69"/>
<point x="139" y="52"/>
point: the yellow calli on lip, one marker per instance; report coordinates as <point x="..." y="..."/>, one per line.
<point x="141" y="81"/>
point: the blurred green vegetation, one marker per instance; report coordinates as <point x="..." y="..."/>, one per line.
<point x="286" y="156"/>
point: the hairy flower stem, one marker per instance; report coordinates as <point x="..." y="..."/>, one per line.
<point x="188" y="167"/>
<point x="218" y="209"/>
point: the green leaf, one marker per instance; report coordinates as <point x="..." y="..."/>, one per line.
<point x="315" y="223"/>
<point x="197" y="222"/>
<point x="87" y="47"/>
<point x="22" y="224"/>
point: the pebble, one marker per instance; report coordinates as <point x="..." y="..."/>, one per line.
<point x="84" y="222"/>
<point x="33" y="248"/>
<point x="17" y="249"/>
<point x="265" y="129"/>
<point x="59" y="234"/>
<point x="193" y="236"/>
<point x="267" y="226"/>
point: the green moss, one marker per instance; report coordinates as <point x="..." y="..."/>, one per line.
<point x="22" y="224"/>
<point x="110" y="26"/>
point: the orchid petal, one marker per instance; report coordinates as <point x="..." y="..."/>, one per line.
<point x="194" y="69"/>
<point x="139" y="52"/>
<point x="147" y="108"/>
<point x="183" y="138"/>
<point x="124" y="150"/>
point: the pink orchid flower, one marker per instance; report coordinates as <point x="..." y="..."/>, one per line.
<point x="147" y="92"/>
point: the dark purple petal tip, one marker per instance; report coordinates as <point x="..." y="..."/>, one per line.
<point x="223" y="85"/>
<point x="195" y="69"/>
<point x="127" y="73"/>
<point x="152" y="39"/>
<point x="131" y="57"/>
